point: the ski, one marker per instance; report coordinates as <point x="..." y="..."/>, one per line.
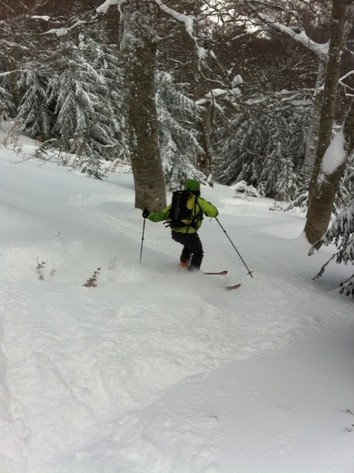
<point x="222" y="273"/>
<point x="234" y="286"/>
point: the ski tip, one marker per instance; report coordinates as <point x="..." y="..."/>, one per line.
<point x="234" y="286"/>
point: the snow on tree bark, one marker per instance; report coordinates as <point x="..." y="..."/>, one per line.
<point x="139" y="48"/>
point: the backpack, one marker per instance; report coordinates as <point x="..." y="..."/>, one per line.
<point x="182" y="212"/>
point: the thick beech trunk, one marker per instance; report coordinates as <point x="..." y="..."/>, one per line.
<point x="322" y="192"/>
<point x="139" y="47"/>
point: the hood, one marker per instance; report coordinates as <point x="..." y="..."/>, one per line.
<point x="192" y="185"/>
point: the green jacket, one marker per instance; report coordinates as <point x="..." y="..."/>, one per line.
<point x="202" y="207"/>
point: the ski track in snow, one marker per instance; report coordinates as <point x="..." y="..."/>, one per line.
<point x="90" y="376"/>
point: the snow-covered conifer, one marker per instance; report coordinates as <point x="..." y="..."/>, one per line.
<point x="341" y="233"/>
<point x="346" y="188"/>
<point x="85" y="113"/>
<point x="34" y="114"/>
<point x="178" y="137"/>
<point x="264" y="143"/>
<point x="7" y="105"/>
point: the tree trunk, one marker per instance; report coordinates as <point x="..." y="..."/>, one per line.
<point x="322" y="192"/>
<point x="204" y="161"/>
<point x="312" y="135"/>
<point x="348" y="130"/>
<point x="139" y="48"/>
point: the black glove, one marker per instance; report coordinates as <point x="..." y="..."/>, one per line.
<point x="146" y="212"/>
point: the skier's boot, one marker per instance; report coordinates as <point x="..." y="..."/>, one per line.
<point x="183" y="265"/>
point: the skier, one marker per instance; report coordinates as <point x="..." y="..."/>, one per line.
<point x="185" y="227"/>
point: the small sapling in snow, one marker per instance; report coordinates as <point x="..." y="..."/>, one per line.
<point x="351" y="427"/>
<point x="40" y="268"/>
<point x="92" y="281"/>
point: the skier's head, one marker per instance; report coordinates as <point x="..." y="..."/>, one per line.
<point x="192" y="185"/>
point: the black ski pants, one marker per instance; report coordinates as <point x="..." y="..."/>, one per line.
<point x="192" y="252"/>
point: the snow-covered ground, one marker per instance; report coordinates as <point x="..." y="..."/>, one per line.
<point x="158" y="371"/>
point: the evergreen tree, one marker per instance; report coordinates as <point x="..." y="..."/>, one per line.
<point x="107" y="60"/>
<point x="346" y="188"/>
<point x="178" y="138"/>
<point x="264" y="143"/>
<point x="7" y="106"/>
<point x="7" y="101"/>
<point x="33" y="113"/>
<point x="341" y="233"/>
<point x="85" y="117"/>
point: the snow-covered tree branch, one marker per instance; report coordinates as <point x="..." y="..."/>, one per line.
<point x="321" y="50"/>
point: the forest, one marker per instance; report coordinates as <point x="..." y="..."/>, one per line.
<point x="233" y="91"/>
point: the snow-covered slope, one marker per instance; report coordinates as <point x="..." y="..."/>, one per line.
<point x="157" y="371"/>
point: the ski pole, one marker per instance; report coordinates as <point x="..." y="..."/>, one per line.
<point x="142" y="240"/>
<point x="243" y="261"/>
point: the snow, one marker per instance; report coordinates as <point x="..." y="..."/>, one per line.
<point x="320" y="49"/>
<point x="188" y="20"/>
<point x="334" y="156"/>
<point x="237" y="80"/>
<point x="64" y="31"/>
<point x="41" y="17"/>
<point x="210" y="96"/>
<point x="108" y="3"/>
<point x="157" y="371"/>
